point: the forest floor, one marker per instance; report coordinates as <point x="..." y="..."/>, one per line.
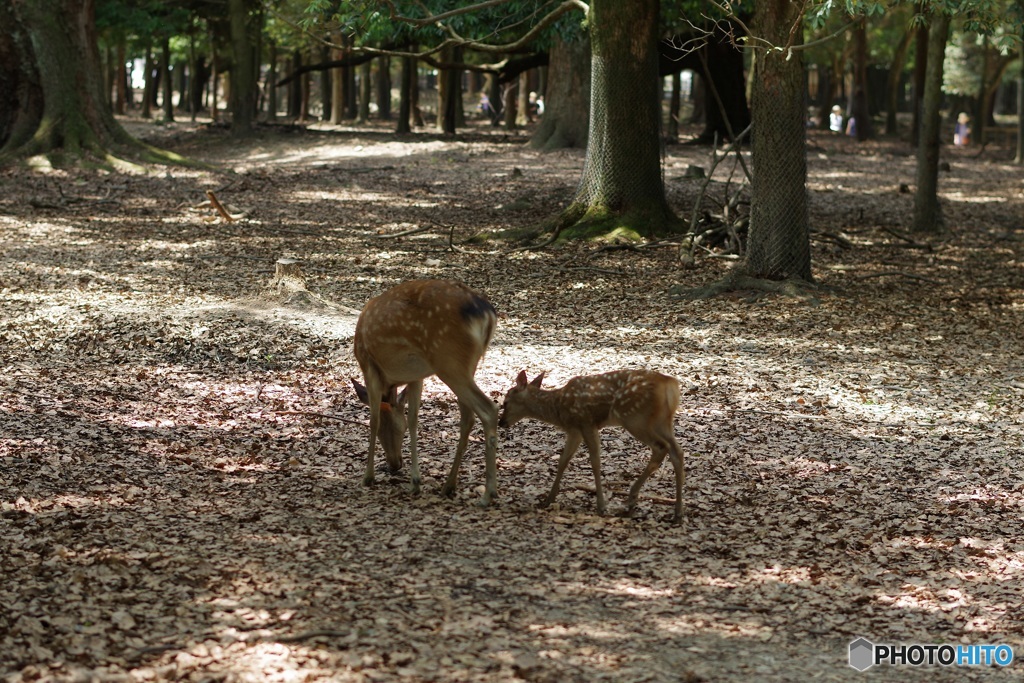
<point x="181" y="453"/>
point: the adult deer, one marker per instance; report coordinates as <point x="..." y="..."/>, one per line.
<point x="642" y="401"/>
<point x="410" y="332"/>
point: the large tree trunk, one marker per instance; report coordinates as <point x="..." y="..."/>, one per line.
<point x="927" y="212"/>
<point x="621" y="188"/>
<point x="53" y="86"/>
<point x="778" y="246"/>
<point x="449" y="89"/>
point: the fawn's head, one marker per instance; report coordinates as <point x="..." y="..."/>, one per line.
<point x="518" y="399"/>
<point x="393" y="424"/>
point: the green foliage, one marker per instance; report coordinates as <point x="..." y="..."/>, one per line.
<point x="374" y="22"/>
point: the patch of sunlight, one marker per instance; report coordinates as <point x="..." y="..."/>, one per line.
<point x="329" y="154"/>
<point x="272" y="662"/>
<point x="975" y="198"/>
<point x="40" y="163"/>
<point x="45" y="229"/>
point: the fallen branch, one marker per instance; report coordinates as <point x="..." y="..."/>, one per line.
<point x="899" y="273"/>
<point x="405" y="233"/>
<point x="832" y="237"/>
<point x="220" y="207"/>
<point x="451" y="242"/>
<point x="906" y="238"/>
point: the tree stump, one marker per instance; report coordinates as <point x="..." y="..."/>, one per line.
<point x="288" y="276"/>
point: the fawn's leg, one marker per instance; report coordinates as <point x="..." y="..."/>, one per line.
<point x="465" y="426"/>
<point x="675" y="455"/>
<point x="657" y="455"/>
<point x="593" y="440"/>
<point x="572" y="442"/>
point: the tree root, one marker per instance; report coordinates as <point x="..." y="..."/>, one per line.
<point x="737" y="281"/>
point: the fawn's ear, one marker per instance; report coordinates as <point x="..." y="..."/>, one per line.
<point x="537" y="380"/>
<point x="521" y="379"/>
<point x="360" y="391"/>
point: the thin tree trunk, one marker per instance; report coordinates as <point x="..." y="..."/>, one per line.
<point x="168" y="86"/>
<point x="338" y="84"/>
<point x="920" y="66"/>
<point x="365" y="91"/>
<point x="384" y="88"/>
<point x="405" y="95"/>
<point x="213" y="77"/>
<point x="523" y="100"/>
<point x="892" y="89"/>
<point x="927" y="211"/>
<point x="147" y="90"/>
<point x="121" y="80"/>
<point x="272" y="83"/>
<point x="672" y="130"/>
<point x="860" y="107"/>
<point x="326" y="86"/>
<point x="1019" y="158"/>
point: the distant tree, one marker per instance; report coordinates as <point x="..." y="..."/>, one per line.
<point x="245" y="28"/>
<point x="927" y="211"/>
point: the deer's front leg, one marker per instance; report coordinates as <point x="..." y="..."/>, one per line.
<point x="593" y="441"/>
<point x="413" y="392"/>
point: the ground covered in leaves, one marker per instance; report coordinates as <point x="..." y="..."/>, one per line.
<point x="181" y="454"/>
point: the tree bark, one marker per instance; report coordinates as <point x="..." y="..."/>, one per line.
<point x="121" y="79"/>
<point x="148" y="84"/>
<point x="405" y="95"/>
<point x="860" y="107"/>
<point x="52" y="81"/>
<point x="778" y="245"/>
<point x="384" y="88"/>
<point x="337" y="84"/>
<point x="927" y="211"/>
<point x="244" y="72"/>
<point x="365" y="91"/>
<point x="621" y="189"/>
<point x="168" y="86"/>
<point x="326" y="86"/>
<point x="920" y="65"/>
<point x="272" y="82"/>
